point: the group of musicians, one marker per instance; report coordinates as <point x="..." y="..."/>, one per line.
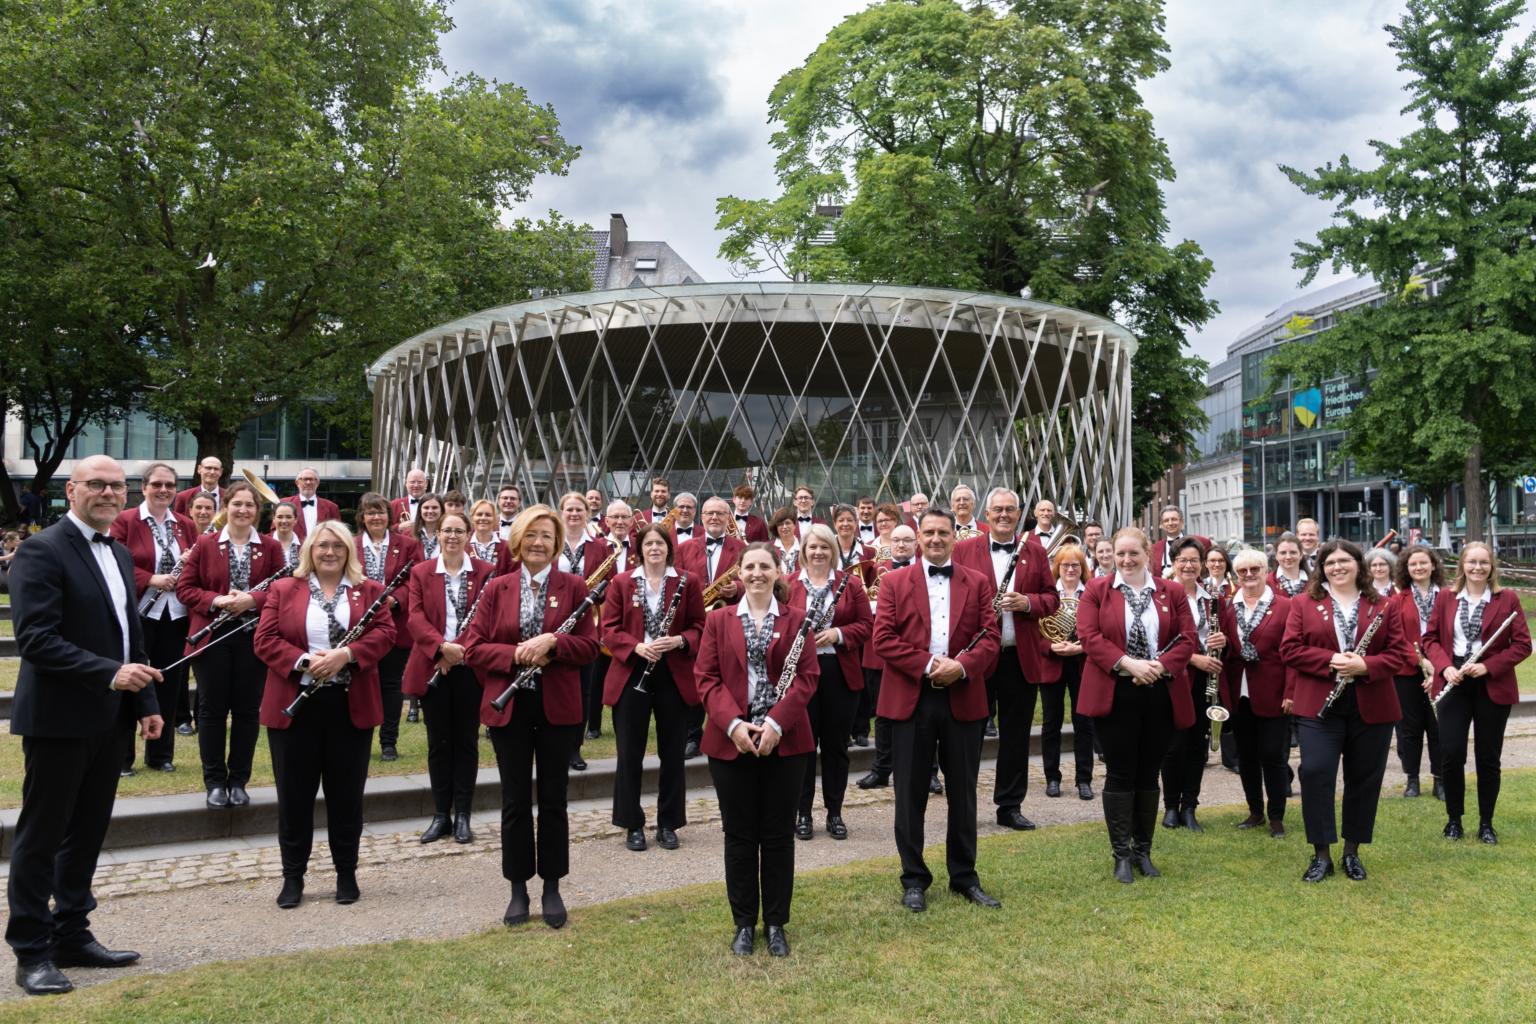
<point x="758" y="642"/>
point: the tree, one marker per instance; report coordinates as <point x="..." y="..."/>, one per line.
<point x="1000" y="146"/>
<point x="1444" y="223"/>
<point x="281" y="194"/>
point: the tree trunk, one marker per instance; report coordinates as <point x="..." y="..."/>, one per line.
<point x="1475" y="492"/>
<point x="217" y="438"/>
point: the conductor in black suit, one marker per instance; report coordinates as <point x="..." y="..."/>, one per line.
<point x="78" y="632"/>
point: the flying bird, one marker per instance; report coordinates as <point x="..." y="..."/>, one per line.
<point x="208" y="263"/>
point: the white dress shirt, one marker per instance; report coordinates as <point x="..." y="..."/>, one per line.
<point x="1346" y="643"/>
<point x="712" y="555"/>
<point x="106" y="561"/>
<point x="165" y="605"/>
<point x="460" y="580"/>
<point x="938" y="612"/>
<point x="1268" y="595"/>
<point x="310" y="512"/>
<point x="317" y="628"/>
<point x="652" y="598"/>
<point x="1000" y="560"/>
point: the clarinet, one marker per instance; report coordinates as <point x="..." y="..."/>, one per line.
<point x="792" y="659"/>
<point x="469" y="617"/>
<point x="666" y="626"/>
<point x="151" y="594"/>
<point x="1339" y="680"/>
<point x="305" y="692"/>
<point x="225" y="616"/>
<point x="1002" y="589"/>
<point x="528" y="678"/>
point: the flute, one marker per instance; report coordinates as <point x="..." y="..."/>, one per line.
<point x="1473" y="658"/>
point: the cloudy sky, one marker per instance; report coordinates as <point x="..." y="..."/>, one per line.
<point x="668" y="101"/>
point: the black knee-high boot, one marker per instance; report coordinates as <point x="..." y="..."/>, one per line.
<point x="1118" y="809"/>
<point x="1144" y="823"/>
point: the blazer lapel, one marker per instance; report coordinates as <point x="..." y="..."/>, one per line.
<point x="82" y="548"/>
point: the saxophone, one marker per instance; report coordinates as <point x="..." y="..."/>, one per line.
<point x="607" y="563"/>
<point x="712" y="598"/>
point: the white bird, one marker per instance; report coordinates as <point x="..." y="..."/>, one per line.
<point x="208" y="263"/>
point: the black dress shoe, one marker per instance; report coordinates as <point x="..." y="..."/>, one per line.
<point x="1252" y="821"/>
<point x="914" y="899"/>
<point x="347" y="892"/>
<point x="666" y="838"/>
<point x="861" y="741"/>
<point x="238" y="797"/>
<point x="1188" y="820"/>
<point x="1171" y="818"/>
<point x="167" y="767"/>
<point x="1486" y="834"/>
<point x="691" y="750"/>
<point x="803" y="827"/>
<point x="184" y="729"/>
<point x="42" y="979"/>
<point x="835" y="827"/>
<point x="1053" y="787"/>
<point x="291" y="894"/>
<point x="1453" y="829"/>
<point x="577" y="763"/>
<point x="1353" y="869"/>
<point x="94" y="954"/>
<point x="126" y="773"/>
<point x="438" y="827"/>
<point x="1439" y="790"/>
<point x="935" y="786"/>
<point x="553" y="907"/>
<point x="1276" y="828"/>
<point x="975" y="894"/>
<point x="1009" y="817"/>
<point x="593" y="734"/>
<point x="990" y="732"/>
<point x="413" y="713"/>
<point x="1319" y="869"/>
<point x="1085" y="791"/>
<point x="743" y="943"/>
<point x="389" y="754"/>
<point x="218" y="797"/>
<point x="462" y="833"/>
<point x="1411" y="787"/>
<point x="874" y="780"/>
<point x="778" y="942"/>
<point x="517" y="907"/>
<point x="634" y="840"/>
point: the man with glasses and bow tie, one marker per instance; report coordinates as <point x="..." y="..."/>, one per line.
<point x="509" y="501"/>
<point x="685" y="526"/>
<point x="708" y="556"/>
<point x="312" y="509"/>
<point x="805" y="507"/>
<point x="209" y="471"/>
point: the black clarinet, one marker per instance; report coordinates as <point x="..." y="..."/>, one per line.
<point x="1340" y="680"/>
<point x="967" y="649"/>
<point x="305" y="692"/>
<point x="243" y="627"/>
<point x="666" y="626"/>
<point x="528" y="678"/>
<point x="469" y="617"/>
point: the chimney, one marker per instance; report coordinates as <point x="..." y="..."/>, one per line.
<point x="618" y="234"/>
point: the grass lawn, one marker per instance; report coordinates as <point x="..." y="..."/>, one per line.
<point x="1228" y="934"/>
<point x="8" y="669"/>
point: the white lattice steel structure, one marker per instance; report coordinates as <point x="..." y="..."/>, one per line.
<point x="851" y="389"/>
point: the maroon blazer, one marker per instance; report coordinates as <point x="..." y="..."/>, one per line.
<point x="902" y="630"/>
<point x="1101" y="630"/>
<point x="1310" y="641"/>
<point x="491" y="643"/>
<point x="1508" y="651"/>
<point x="182" y="503"/>
<point x="206" y="576"/>
<point x="1266" y="677"/>
<point x="595" y="554"/>
<point x="1155" y="555"/>
<point x="852" y="616"/>
<point x="698" y="531"/>
<point x="427" y="614"/>
<point x="133" y="533"/>
<point x="324" y="509"/>
<point x="755" y="531"/>
<point x="282" y="639"/>
<point x="694" y="558"/>
<point x="1031" y="576"/>
<point x="1050" y="662"/>
<point x="721" y="673"/>
<point x="623" y="627"/>
<point x="865" y="564"/>
<point x="1273" y="579"/>
<point x="403" y="549"/>
<point x="398" y="507"/>
<point x="648" y="515"/>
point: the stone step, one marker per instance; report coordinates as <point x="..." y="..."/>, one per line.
<point x="8" y="647"/>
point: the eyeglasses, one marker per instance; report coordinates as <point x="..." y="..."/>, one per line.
<point x="1250" y="570"/>
<point x="998" y="510"/>
<point x="1187" y="561"/>
<point x="451" y="531"/>
<point x="98" y="486"/>
<point x="160" y="485"/>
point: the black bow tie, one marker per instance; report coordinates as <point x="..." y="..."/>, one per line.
<point x="306" y="502"/>
<point x="100" y="538"/>
<point x="941" y="570"/>
<point x="899" y="564"/>
<point x="805" y="519"/>
<point x="684" y="529"/>
<point x="1009" y="546"/>
<point x="742" y="516"/>
<point x="506" y="522"/>
<point x="415" y="501"/>
<point x="713" y="542"/>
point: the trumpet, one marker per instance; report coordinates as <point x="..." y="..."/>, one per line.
<point x="731" y="526"/>
<point x="712" y="598"/>
<point x="1060" y="627"/>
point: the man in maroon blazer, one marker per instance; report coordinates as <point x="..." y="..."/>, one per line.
<point x="805" y="509"/>
<point x="208" y="473"/>
<point x="311" y="508"/>
<point x="685" y="525"/>
<point x="1172" y="522"/>
<point x="661" y="502"/>
<point x="404" y="507"/>
<point x="937" y="634"/>
<point x="916" y="506"/>
<point x="707" y="557"/>
<point x="749" y="527"/>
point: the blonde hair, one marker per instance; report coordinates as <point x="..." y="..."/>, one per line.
<point x="1460" y="582"/>
<point x="823" y="533"/>
<point x="525" y="519"/>
<point x="469" y="516"/>
<point x="1136" y="533"/>
<point x="352" y="571"/>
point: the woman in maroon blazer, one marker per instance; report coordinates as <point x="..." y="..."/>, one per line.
<point x="515" y="630"/>
<point x="1420" y="578"/>
<point x="1252" y="688"/>
<point x="1323" y="627"/>
<point x="441" y="592"/>
<point x="1480" y="696"/>
<point x="383" y="552"/>
<point x="219" y="575"/>
<point x="1184" y="764"/>
<point x="759" y="743"/>
<point x="326" y="742"/>
<point x="1138" y="635"/>
<point x="633" y="614"/>
<point x="840" y="676"/>
<point x="1060" y="678"/>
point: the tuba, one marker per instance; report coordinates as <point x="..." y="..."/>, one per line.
<point x="1067" y="532"/>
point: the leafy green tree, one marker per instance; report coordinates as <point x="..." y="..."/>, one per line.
<point x="272" y="187"/>
<point x="1452" y="204"/>
<point x="1001" y="146"/>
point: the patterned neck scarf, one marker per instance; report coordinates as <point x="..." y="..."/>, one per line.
<point x="653" y="612"/>
<point x="429" y="545"/>
<point x="1247" y="622"/>
<point x="335" y="630"/>
<point x="1470" y="614"/>
<point x="373" y="558"/>
<point x="1290" y="586"/>
<point x="163" y="542"/>
<point x="1425" y="603"/>
<point x="239" y="565"/>
<point x="760" y="701"/>
<point x="820" y="596"/>
<point x="530" y="620"/>
<point x="485" y="552"/>
<point x="1344" y="624"/>
<point x="573" y="555"/>
<point x="291" y="556"/>
<point x="459" y="600"/>
<point x="1137" y="645"/>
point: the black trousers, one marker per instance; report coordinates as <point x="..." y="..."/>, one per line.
<point x="757" y="814"/>
<point x="1362" y="747"/>
<point x="1418" y="723"/>
<point x="1052" y="696"/>
<point x="695" y="720"/>
<point x="914" y="742"/>
<point x="1135" y="734"/>
<point x="1263" y="753"/>
<point x="391" y="672"/>
<point x="66" y="804"/>
<point x="882" y="765"/>
<point x="864" y="712"/>
<point x="592" y="677"/>
<point x="831" y="710"/>
<point x="320" y="749"/>
<point x="526" y="739"/>
<point x="1468" y="705"/>
<point x="1015" y="721"/>
<point x="1184" y="762"/>
<point x="631" y="728"/>
<point x="230" y="680"/>
<point x="452" y="712"/>
<point x="164" y="642"/>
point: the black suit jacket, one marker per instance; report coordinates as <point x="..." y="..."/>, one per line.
<point x="70" y="642"/>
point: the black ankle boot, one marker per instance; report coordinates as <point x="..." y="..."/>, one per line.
<point x="292" y="893"/>
<point x="517" y="908"/>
